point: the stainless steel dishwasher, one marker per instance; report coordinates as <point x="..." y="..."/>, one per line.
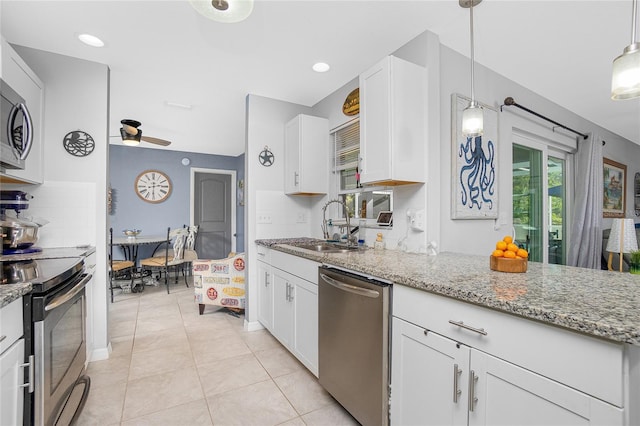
<point x="353" y="343"/>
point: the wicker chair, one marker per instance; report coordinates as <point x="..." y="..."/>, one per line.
<point x="165" y="259"/>
<point x="118" y="269"/>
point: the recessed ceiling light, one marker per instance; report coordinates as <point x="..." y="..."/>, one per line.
<point x="321" y="67"/>
<point x="91" y="40"/>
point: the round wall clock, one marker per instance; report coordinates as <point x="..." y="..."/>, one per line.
<point x="153" y="186"/>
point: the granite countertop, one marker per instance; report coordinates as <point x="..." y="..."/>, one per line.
<point x="11" y="292"/>
<point x="599" y="303"/>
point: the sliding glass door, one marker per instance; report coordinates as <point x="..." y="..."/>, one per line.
<point x="539" y="200"/>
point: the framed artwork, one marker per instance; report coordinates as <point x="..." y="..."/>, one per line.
<point x="614" y="177"/>
<point x="474" y="185"/>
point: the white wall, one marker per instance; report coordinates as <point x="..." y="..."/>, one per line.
<point x="73" y="195"/>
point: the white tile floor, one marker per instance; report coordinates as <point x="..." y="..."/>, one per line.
<point x="171" y="366"/>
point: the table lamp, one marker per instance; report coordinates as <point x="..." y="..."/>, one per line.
<point x="622" y="239"/>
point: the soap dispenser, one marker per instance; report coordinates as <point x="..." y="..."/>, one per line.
<point x="378" y="244"/>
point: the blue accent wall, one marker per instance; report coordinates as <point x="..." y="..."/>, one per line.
<point x="130" y="212"/>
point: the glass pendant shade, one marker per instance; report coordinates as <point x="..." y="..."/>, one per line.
<point x="625" y="82"/>
<point x="472" y="120"/>
<point x="130" y="140"/>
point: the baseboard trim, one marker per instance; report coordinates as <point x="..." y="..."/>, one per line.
<point x="252" y="325"/>
<point x="101" y="353"/>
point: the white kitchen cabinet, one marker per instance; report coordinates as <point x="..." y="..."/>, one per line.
<point x="306" y="155"/>
<point x="294" y="298"/>
<point x="392" y="123"/>
<point x="424" y="379"/>
<point x="11" y="364"/>
<point x="17" y="74"/>
<point x="265" y="288"/>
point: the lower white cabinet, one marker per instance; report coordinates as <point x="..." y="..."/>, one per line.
<point x="453" y="379"/>
<point x="438" y="381"/>
<point x="288" y="303"/>
<point x="11" y="364"/>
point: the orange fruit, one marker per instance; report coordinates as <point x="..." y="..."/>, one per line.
<point x="512" y="247"/>
<point x="497" y="253"/>
<point x="522" y="253"/>
<point x="509" y="254"/>
<point x="507" y="239"/>
<point x="501" y="245"/>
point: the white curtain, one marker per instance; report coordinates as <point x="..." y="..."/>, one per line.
<point x="586" y="227"/>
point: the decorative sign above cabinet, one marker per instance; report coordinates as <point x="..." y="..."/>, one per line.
<point x="351" y="105"/>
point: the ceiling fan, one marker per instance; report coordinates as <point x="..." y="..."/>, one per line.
<point x="132" y="136"/>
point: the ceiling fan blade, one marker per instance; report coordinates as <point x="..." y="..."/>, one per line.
<point x="156" y="141"/>
<point x="130" y="129"/>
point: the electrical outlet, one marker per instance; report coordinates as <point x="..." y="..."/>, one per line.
<point x="263" y="217"/>
<point x="418" y="221"/>
<point x="301" y="218"/>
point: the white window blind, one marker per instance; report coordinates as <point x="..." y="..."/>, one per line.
<point x="347" y="146"/>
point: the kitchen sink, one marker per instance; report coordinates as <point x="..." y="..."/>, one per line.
<point x="325" y="247"/>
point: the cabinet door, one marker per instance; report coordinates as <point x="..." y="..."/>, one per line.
<point x="27" y="84"/>
<point x="265" y="295"/>
<point x="282" y="307"/>
<point x="11" y="377"/>
<point x="509" y="395"/>
<point x="305" y="300"/>
<point x="429" y="384"/>
<point x="292" y="156"/>
<point x="375" y="132"/>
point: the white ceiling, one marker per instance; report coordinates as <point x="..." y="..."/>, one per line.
<point x="164" y="51"/>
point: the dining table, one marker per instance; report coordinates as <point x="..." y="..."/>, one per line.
<point x="130" y="246"/>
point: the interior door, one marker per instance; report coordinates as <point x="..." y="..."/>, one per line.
<point x="213" y="212"/>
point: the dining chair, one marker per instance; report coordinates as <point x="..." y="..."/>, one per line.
<point x="118" y="268"/>
<point x="168" y="256"/>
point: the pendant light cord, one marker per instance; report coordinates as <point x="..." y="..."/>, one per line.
<point x="473" y="97"/>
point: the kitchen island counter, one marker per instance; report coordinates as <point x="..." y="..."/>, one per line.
<point x="598" y="303"/>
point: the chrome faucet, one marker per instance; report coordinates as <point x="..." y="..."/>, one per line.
<point x="325" y="231"/>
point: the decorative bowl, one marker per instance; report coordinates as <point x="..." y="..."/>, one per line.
<point x="131" y="232"/>
<point x="505" y="264"/>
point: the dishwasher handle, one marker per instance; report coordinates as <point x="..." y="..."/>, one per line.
<point x="361" y="291"/>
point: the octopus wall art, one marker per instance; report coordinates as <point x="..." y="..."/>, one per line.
<point x="475" y="161"/>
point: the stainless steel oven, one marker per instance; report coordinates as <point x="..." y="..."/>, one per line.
<point x="55" y="315"/>
<point x="16" y="134"/>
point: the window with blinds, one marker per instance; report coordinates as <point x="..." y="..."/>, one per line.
<point x="347" y="153"/>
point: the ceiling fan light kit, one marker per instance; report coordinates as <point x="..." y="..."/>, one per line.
<point x="132" y="136"/>
<point x="472" y="116"/>
<point x="625" y="80"/>
<point x="226" y="11"/>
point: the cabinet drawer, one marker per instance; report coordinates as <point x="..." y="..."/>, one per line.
<point x="298" y="266"/>
<point x="264" y="253"/>
<point x="591" y="365"/>
<point x="10" y="324"/>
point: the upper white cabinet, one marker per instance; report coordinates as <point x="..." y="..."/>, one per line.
<point x="306" y="155"/>
<point x="17" y="74"/>
<point x="392" y="123"/>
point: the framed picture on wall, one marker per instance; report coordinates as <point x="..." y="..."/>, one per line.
<point x="614" y="178"/>
<point x="474" y="161"/>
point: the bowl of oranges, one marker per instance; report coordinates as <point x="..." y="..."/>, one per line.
<point x="508" y="257"/>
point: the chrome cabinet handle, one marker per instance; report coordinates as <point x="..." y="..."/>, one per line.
<point x="473" y="379"/>
<point x="468" y="327"/>
<point x="456" y="375"/>
<point x="295" y="179"/>
<point x="31" y="365"/>
<point x="266" y="279"/>
<point x="287" y="293"/>
<point x="291" y="293"/>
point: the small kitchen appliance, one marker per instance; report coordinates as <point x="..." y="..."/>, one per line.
<point x="18" y="235"/>
<point x="16" y="134"/>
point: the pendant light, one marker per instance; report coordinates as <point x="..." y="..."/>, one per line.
<point x="625" y="81"/>
<point x="226" y="11"/>
<point x="472" y="116"/>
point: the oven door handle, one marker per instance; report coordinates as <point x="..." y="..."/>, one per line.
<point x="360" y="291"/>
<point x="68" y="295"/>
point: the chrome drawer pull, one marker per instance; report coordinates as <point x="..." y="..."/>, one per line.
<point x="31" y="365"/>
<point x="468" y="327"/>
<point x="2" y="338"/>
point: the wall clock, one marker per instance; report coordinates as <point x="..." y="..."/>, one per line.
<point x="153" y="186"/>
